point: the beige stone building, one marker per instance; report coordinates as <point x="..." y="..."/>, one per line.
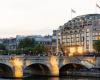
<point x="78" y="35"/>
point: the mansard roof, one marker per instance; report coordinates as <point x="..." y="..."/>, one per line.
<point x="81" y="21"/>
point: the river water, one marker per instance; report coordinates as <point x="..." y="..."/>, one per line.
<point x="56" y="78"/>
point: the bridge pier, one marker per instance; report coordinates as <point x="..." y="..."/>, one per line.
<point x="54" y="65"/>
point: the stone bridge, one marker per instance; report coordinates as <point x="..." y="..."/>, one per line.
<point x="17" y="66"/>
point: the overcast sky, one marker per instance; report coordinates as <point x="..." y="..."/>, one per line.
<point x="34" y="17"/>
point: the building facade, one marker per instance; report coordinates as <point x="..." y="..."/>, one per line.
<point x="78" y="35"/>
<point x="10" y="43"/>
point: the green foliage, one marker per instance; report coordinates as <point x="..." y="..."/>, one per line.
<point x="9" y="52"/>
<point x="26" y="43"/>
<point x="2" y="47"/>
<point x="30" y="46"/>
<point x="96" y="45"/>
<point x="26" y="46"/>
<point x="39" y="48"/>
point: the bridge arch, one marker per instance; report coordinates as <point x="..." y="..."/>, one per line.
<point x="72" y="67"/>
<point x="36" y="69"/>
<point x="5" y="70"/>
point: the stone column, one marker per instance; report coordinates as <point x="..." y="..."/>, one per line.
<point x="85" y="38"/>
<point x="54" y="65"/>
<point x="90" y="39"/>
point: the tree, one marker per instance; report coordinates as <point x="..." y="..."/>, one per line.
<point x="25" y="46"/>
<point x="26" y="43"/>
<point x="30" y="46"/>
<point x="2" y="47"/>
<point x="39" y="49"/>
<point x="96" y="45"/>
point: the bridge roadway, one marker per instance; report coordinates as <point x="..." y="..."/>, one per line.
<point x="43" y="65"/>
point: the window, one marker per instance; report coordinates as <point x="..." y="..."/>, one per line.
<point x="72" y="40"/>
<point x="72" y="35"/>
<point x="93" y="38"/>
<point x="82" y="39"/>
<point x="96" y="33"/>
<point x="93" y="34"/>
<point x="87" y="34"/>
<point x="77" y="35"/>
<point x="64" y="37"/>
<point x="87" y="30"/>
<point x="64" y="40"/>
<point x="88" y="38"/>
<point x="68" y="36"/>
<point x="82" y="34"/>
<point x="77" y="39"/>
<point x="68" y="40"/>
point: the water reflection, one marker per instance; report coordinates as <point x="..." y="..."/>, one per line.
<point x="56" y="78"/>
